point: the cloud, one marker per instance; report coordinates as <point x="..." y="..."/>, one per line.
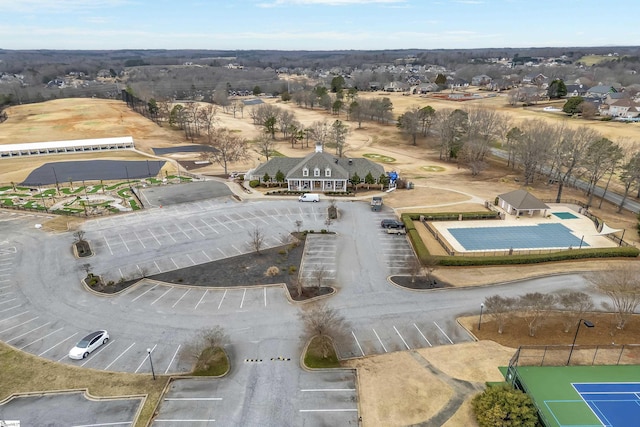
<point x="62" y="6"/>
<point x="277" y="3"/>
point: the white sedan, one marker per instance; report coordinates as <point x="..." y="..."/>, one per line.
<point x="88" y="344"/>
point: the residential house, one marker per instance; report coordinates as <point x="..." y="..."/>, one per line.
<point x="600" y="91"/>
<point x="576" y="90"/>
<point x="396" y="87"/>
<point x="426" y="88"/>
<point x="480" y="80"/>
<point x="536" y="79"/>
<point x="317" y="172"/>
<point x="456" y="83"/>
<point x="623" y="108"/>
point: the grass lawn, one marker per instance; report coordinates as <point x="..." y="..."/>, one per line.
<point x="314" y="357"/>
<point x="22" y="372"/>
<point x="212" y="362"/>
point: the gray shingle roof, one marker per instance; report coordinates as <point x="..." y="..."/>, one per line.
<point x="521" y="199"/>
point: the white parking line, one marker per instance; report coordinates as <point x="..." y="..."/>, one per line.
<point x="223" y="254"/>
<point x="203" y="295"/>
<point x="186" y="235"/>
<point x="41" y="338"/>
<point x="379" y="340"/>
<point x="121" y="274"/>
<point x="122" y="423"/>
<point x="121" y="354"/>
<point x="208" y="257"/>
<point x="326" y="389"/>
<point x="420" y="332"/>
<point x="218" y="221"/>
<point x="180" y="299"/>
<point x="125" y="243"/>
<point x="192" y="261"/>
<point x="243" y="295"/>
<point x="154" y="236"/>
<point x="169" y="234"/>
<point x="18" y="325"/>
<point x="10" y="308"/>
<point x="28" y="332"/>
<point x="145" y="359"/>
<point x="442" y="332"/>
<point x="9" y="300"/>
<point x="55" y="345"/>
<point x="97" y="351"/>
<point x="194" y="227"/>
<point x="405" y="343"/>
<point x="174" y="263"/>
<point x="148" y="290"/>
<point x="265" y="296"/>
<point x="160" y="297"/>
<point x="139" y="239"/>
<point x="15" y="315"/>
<point x="222" y="299"/>
<point x="172" y="359"/>
<point x="157" y="266"/>
<point x="186" y="421"/>
<point x="239" y="251"/>
<point x="357" y="342"/>
<point x="329" y="410"/>
<point x="5" y="269"/>
<point x="108" y="245"/>
<point x="192" y="399"/>
<point x="210" y="226"/>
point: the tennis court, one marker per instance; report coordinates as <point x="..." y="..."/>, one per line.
<point x="584" y="396"/>
<point x="536" y="236"/>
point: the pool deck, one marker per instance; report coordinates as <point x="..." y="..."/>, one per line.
<point x="580" y="226"/>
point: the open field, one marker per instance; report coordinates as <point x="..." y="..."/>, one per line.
<point x="439" y="186"/>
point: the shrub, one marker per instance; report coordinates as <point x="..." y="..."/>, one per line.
<point x="272" y="271"/>
<point x="254" y="183"/>
<point x="502" y="405"/>
<point x="292" y="269"/>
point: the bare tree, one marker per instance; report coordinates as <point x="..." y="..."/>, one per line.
<point x="483" y="127"/>
<point x="630" y="176"/>
<point x="256" y="240"/>
<point x="410" y="123"/>
<point x="202" y="349"/>
<point x="532" y="146"/>
<point x="622" y="286"/>
<point x="227" y="148"/>
<point x="78" y="236"/>
<point x="324" y="323"/>
<point x="209" y="120"/>
<point x="533" y="306"/>
<point x="298" y="224"/>
<point x="575" y="304"/>
<point x="415" y="268"/>
<point x="265" y="145"/>
<point x="319" y="275"/>
<point x="338" y="136"/>
<point x="499" y="308"/>
<point x="319" y="132"/>
<point x="87" y="268"/>
<point x="570" y="152"/>
<point x="602" y="155"/>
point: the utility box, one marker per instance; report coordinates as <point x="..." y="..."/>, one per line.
<point x="376" y="204"/>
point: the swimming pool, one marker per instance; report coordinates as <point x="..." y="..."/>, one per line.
<point x="565" y="215"/>
<point x="540" y="236"/>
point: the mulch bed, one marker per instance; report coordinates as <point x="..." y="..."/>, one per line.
<point x="242" y="271"/>
<point x="419" y="282"/>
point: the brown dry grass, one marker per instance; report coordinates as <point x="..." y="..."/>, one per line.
<point x="394" y="389"/>
<point x="24" y="373"/>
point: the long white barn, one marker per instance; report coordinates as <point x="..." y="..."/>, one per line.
<point x="60" y="147"/>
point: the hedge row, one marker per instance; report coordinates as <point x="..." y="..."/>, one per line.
<point x="452" y="216"/>
<point x="460" y="261"/>
<point x="464" y="261"/>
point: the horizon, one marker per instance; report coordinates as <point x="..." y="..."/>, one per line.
<point x="314" y="25"/>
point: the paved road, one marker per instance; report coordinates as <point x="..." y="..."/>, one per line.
<point x="44" y="310"/>
<point x="610" y="196"/>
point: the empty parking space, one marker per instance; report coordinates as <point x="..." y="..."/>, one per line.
<point x="70" y="409"/>
<point x="320" y="261"/>
<point x="380" y="338"/>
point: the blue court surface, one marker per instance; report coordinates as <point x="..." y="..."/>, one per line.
<point x="539" y="236"/>
<point x="615" y="404"/>
<point x="565" y="215"/>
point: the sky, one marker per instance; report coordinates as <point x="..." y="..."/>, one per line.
<point x="316" y="24"/>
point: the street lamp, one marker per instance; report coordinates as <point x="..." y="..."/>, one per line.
<point x="588" y="325"/>
<point x="480" y="319"/>
<point x="151" y="361"/>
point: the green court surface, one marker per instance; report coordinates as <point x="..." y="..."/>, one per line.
<point x="559" y="404"/>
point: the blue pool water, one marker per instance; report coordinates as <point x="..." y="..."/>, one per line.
<point x="565" y="215"/>
<point x="539" y="236"/>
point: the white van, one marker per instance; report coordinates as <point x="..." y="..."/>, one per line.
<point x="309" y="197"/>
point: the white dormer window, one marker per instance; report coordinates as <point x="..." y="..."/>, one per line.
<point x="327" y="172"/>
<point x="316" y="172"/>
<point x="305" y="172"/>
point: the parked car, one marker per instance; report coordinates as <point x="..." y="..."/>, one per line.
<point x="309" y="197"/>
<point x="391" y="223"/>
<point x="88" y="344"/>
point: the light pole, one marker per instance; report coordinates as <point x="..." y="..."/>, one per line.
<point x="151" y="361"/>
<point x="588" y="325"/>
<point x="480" y="319"/>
